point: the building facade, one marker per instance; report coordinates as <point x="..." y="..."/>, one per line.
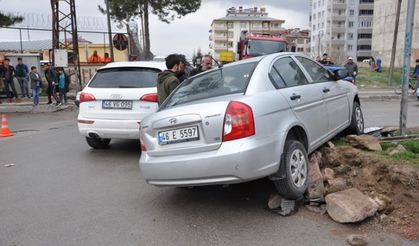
<point x="341" y="28"/>
<point x="298" y="40"/>
<point x="225" y="32"/>
<point x="383" y="31"/>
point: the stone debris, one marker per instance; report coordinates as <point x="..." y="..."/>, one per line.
<point x="315" y="179"/>
<point x="328" y="174"/>
<point x="274" y="201"/>
<point x="399" y="149"/>
<point x="330" y="145"/>
<point x="366" y="142"/>
<point x="384" y="203"/>
<point x="336" y="184"/>
<point x="350" y="206"/>
<point x="357" y="239"/>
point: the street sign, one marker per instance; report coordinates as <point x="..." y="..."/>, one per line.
<point x="120" y="41"/>
<point x="61" y="58"/>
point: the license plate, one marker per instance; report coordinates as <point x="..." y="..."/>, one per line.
<point x="179" y="135"/>
<point x="117" y="104"/>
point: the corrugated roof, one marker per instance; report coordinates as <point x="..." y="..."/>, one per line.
<point x="26" y="45"/>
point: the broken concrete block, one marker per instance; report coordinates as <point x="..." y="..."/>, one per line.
<point x="328" y="174"/>
<point x="399" y="149"/>
<point x="315" y="179"/>
<point x="357" y="239"/>
<point x="274" y="201"/>
<point x="364" y="142"/>
<point x="350" y="206"/>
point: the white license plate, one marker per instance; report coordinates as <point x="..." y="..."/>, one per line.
<point x="117" y="104"/>
<point x="179" y="135"/>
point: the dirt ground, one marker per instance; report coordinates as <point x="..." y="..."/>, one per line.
<point x="396" y="185"/>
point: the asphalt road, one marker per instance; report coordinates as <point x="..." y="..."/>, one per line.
<point x="60" y="192"/>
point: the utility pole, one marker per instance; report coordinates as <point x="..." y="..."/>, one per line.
<point x="109" y="30"/>
<point x="406" y="64"/>
<point x="393" y="50"/>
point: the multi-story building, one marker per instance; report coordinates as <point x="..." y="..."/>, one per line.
<point x="341" y="28"/>
<point x="298" y="40"/>
<point x="383" y="31"/>
<point x="225" y="31"/>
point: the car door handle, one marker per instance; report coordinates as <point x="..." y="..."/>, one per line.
<point x="295" y="97"/>
<point x="326" y="90"/>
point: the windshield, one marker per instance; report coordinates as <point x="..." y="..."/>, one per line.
<point x="219" y="82"/>
<point x="125" y="77"/>
<point x="264" y="47"/>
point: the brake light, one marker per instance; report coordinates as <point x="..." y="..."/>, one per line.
<point x="86" y="97"/>
<point x="151" y="97"/>
<point x="238" y="121"/>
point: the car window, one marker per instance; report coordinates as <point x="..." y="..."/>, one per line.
<point x="286" y="73"/>
<point x="228" y="80"/>
<point x="125" y="78"/>
<point x="316" y="72"/>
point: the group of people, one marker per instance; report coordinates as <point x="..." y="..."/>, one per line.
<point x="96" y="58"/>
<point x="350" y="65"/>
<point x="57" y="82"/>
<point x="178" y="69"/>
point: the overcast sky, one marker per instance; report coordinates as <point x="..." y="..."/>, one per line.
<point x="181" y="36"/>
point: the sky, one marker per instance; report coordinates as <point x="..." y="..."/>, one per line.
<point x="183" y="35"/>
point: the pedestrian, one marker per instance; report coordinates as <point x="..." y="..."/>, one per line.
<point x="51" y="76"/>
<point x="63" y="84"/>
<point x="372" y="64"/>
<point x="318" y="59"/>
<point x="352" y="68"/>
<point x="36" y="83"/>
<point x="206" y="64"/>
<point x="167" y="80"/>
<point x="324" y="60"/>
<point x="95" y="58"/>
<point x="379" y="67"/>
<point x="8" y="73"/>
<point x="106" y="58"/>
<point x="185" y="69"/>
<point x="328" y="62"/>
<point x="22" y="75"/>
<point x="416" y="75"/>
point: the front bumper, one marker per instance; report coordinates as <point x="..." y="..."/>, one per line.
<point x="233" y="162"/>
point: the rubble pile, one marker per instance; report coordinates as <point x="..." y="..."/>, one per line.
<point x="352" y="183"/>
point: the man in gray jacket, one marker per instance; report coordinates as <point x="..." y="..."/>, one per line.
<point x="352" y="68"/>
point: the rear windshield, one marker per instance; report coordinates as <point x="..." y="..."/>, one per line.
<point x="225" y="81"/>
<point x="125" y="78"/>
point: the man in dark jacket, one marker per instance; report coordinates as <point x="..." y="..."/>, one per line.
<point x="8" y="73"/>
<point x="22" y="74"/>
<point x="167" y="80"/>
<point x="206" y="64"/>
<point x="51" y="76"/>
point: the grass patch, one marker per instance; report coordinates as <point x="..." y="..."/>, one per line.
<point x="339" y="141"/>
<point x="367" y="78"/>
<point x="411" y="155"/>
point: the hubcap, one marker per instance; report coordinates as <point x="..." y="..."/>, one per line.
<point x="359" y="119"/>
<point x="298" y="165"/>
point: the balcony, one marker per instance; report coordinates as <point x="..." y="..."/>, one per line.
<point x="337" y="5"/>
<point x="338" y="29"/>
<point x="364" y="30"/>
<point x="220" y="38"/>
<point x="219" y="28"/>
<point x="338" y="17"/>
<point x="363" y="53"/>
<point x="369" y="6"/>
<point x="339" y="41"/>
<point x="364" y="41"/>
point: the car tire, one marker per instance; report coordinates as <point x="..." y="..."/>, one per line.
<point x="98" y="143"/>
<point x="293" y="170"/>
<point x="357" y="120"/>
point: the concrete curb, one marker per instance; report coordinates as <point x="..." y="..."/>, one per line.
<point x="29" y="108"/>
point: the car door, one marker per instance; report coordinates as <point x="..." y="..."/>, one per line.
<point x="305" y="99"/>
<point x="335" y="94"/>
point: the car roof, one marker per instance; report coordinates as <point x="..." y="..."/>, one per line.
<point x="142" y="64"/>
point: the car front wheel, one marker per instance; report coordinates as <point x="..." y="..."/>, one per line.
<point x="294" y="173"/>
<point x="98" y="143"/>
<point x="357" y="121"/>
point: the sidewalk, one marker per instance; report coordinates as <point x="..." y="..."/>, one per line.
<point x="26" y="106"/>
<point x="381" y="94"/>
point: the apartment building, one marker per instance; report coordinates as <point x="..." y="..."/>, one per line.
<point x="298" y="40"/>
<point x="225" y="31"/>
<point x="341" y="28"/>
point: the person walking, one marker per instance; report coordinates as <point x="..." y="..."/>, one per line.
<point x="352" y="68"/>
<point x="22" y="74"/>
<point x="63" y="84"/>
<point x="35" y="78"/>
<point x="167" y="80"/>
<point x="206" y="64"/>
<point x="8" y="73"/>
<point x="416" y="75"/>
<point x="51" y="76"/>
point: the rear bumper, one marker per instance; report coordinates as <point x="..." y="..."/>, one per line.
<point x="121" y="129"/>
<point x="234" y="162"/>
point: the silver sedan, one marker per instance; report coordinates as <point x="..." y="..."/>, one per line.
<point x="248" y="120"/>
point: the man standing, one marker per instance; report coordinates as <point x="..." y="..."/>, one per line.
<point x="352" y="68"/>
<point x="184" y="70"/>
<point x="206" y="64"/>
<point x="63" y="84"/>
<point x="324" y="60"/>
<point x="8" y="74"/>
<point x="35" y="78"/>
<point x="22" y="72"/>
<point x="416" y="75"/>
<point x="51" y="76"/>
<point x="167" y="80"/>
<point x="95" y="58"/>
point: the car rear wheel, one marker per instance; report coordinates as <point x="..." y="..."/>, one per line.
<point x="357" y="121"/>
<point x="98" y="143"/>
<point x="294" y="168"/>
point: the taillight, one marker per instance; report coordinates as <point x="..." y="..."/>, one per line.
<point x="238" y="122"/>
<point x="86" y="97"/>
<point x="152" y="97"/>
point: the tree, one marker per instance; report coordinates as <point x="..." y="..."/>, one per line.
<point x="166" y="10"/>
<point x="8" y="20"/>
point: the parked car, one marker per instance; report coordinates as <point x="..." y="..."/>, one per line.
<point x="115" y="101"/>
<point x="251" y="119"/>
<point x="341" y="72"/>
